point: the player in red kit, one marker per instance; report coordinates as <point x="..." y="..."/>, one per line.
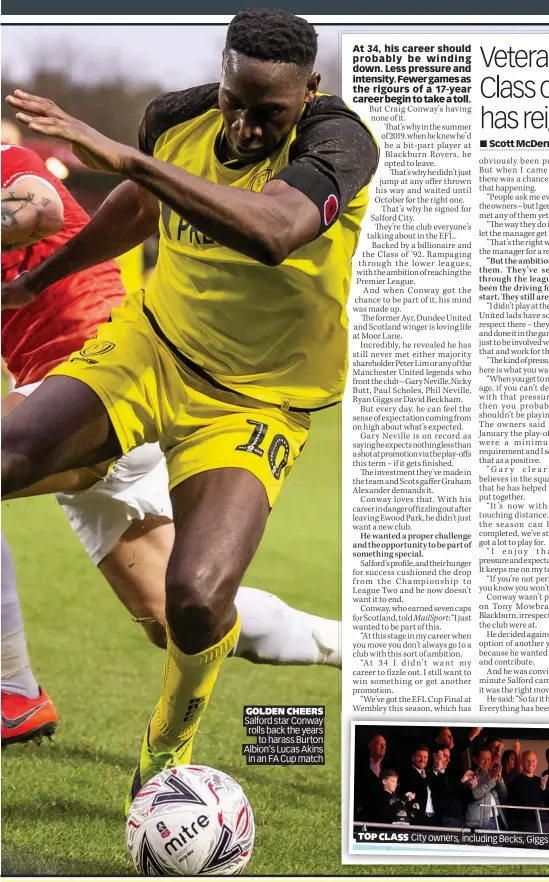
<point x="45" y="332"/>
<point x="123" y="518"/>
<point x="38" y="216"/>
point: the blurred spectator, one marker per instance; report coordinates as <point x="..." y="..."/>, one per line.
<point x="10" y="132"/>
<point x="546" y="773"/>
<point x="547" y="761"/>
<point x="439" y="782"/>
<point x="377" y="747"/>
<point x="527" y="789"/>
<point x="445" y="753"/>
<point x="511" y="763"/>
<point x="495" y="746"/>
<point x="368" y="769"/>
<point x="113" y="106"/>
<point x="488" y="791"/>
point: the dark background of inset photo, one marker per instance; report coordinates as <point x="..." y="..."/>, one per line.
<point x="401" y="740"/>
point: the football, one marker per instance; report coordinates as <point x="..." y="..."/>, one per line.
<point x="189" y="821"/>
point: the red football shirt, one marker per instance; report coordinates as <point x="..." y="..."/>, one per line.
<point x="41" y="335"/>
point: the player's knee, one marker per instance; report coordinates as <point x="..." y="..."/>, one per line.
<point x="198" y="601"/>
<point x="193" y="624"/>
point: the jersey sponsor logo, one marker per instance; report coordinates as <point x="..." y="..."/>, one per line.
<point x="86" y="360"/>
<point x="185" y="230"/>
<point x="18" y="721"/>
<point x="193" y="234"/>
<point x="330" y="209"/>
<point x="259" y="181"/>
<point x="96" y="347"/>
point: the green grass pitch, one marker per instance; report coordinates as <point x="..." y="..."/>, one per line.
<point x="62" y="802"/>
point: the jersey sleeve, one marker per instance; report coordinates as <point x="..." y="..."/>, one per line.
<point x="332" y="158"/>
<point x="18" y="162"/>
<point x="171" y="109"/>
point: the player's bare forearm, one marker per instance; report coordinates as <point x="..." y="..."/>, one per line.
<point x="126" y="218"/>
<point x="28" y="216"/>
<point x="266" y="226"/>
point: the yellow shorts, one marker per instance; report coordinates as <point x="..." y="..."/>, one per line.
<point x="151" y="396"/>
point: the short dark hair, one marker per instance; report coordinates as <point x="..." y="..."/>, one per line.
<point x="273" y="35"/>
<point x="388" y="773"/>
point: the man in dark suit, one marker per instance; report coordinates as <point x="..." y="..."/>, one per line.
<point x="527" y="789"/>
<point x="368" y="768"/>
<point x="450" y="793"/>
<point x="417" y="779"/>
<point x="460" y="743"/>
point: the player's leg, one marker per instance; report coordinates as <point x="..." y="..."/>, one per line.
<point x="124" y="523"/>
<point x="136" y="571"/>
<point x="274" y="633"/>
<point x="88" y="410"/>
<point x="13" y="399"/>
<point x="27" y="712"/>
<point x="16" y="671"/>
<point x="62" y="425"/>
<point x="219" y="518"/>
<point x="271" y="631"/>
<point x="73" y="481"/>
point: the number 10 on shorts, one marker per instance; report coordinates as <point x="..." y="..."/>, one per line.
<point x="278" y="443"/>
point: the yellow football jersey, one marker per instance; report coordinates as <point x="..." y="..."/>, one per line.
<point x="130" y="265"/>
<point x="277" y="334"/>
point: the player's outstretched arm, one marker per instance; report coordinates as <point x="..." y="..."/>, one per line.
<point x="31" y="210"/>
<point x="128" y="216"/>
<point x="266" y="226"/>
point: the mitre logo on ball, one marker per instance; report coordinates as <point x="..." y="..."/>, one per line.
<point x="189" y="821"/>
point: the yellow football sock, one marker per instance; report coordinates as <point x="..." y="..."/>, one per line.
<point x="187" y="683"/>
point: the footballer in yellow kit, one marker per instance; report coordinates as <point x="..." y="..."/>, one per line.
<point x="258" y="185"/>
<point x="222" y="321"/>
